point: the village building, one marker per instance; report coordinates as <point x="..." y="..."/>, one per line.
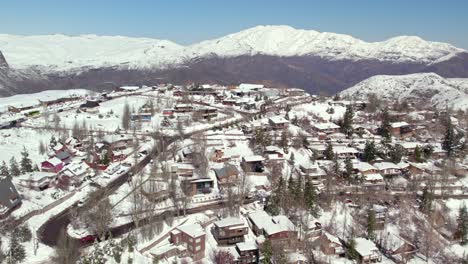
<point x="227" y="175"/>
<point x="278" y="122"/>
<point x="52" y="165"/>
<point x="39" y="180"/>
<point x="248" y="253"/>
<point x="327" y="128"/>
<point x="229" y="230"/>
<point x="192" y="238"/>
<point x="278" y="229"/>
<point x="388" y="169"/>
<point x="400" y="129"/>
<point x="253" y="163"/>
<point x="367" y="251"/>
<point x="331" y="245"/>
<point x="201" y="186"/>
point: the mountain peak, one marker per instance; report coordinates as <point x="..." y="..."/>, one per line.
<point x="3" y="62"/>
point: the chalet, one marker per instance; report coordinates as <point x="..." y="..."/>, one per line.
<point x="248" y="253"/>
<point x="117" y="142"/>
<point x="228" y="174"/>
<point x="400" y="129"/>
<point x="327" y="128"/>
<point x="388" y="169"/>
<point x="183" y="170"/>
<point x="9" y="197"/>
<point x="253" y="163"/>
<point x="367" y="251"/>
<point x="38" y="180"/>
<point x="409" y="146"/>
<point x="278" y="229"/>
<point x="207" y="112"/>
<point x="319" y="149"/>
<point x="201" y="186"/>
<point x="183" y="108"/>
<point x="229" y="230"/>
<point x="278" y="122"/>
<point x="343" y="152"/>
<point x="398" y="247"/>
<point x="374" y="181"/>
<point x="311" y="226"/>
<point x="273" y="150"/>
<point x="52" y="165"/>
<point x="312" y="171"/>
<point x="331" y="245"/>
<point x="192" y="237"/>
<point x="64" y="156"/>
<point x="364" y="168"/>
<point x="141" y="117"/>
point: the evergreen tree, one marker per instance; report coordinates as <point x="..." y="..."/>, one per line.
<point x="463" y="224"/>
<point x="426" y="201"/>
<point x="14" y="168"/>
<point x="53" y="141"/>
<point x="371" y="224"/>
<point x="42" y="147"/>
<point x="26" y="163"/>
<point x="284" y="143"/>
<point x="369" y="152"/>
<point x="16" y="251"/>
<point x="351" y="249"/>
<point x="329" y="154"/>
<point x="126" y="117"/>
<point x="347" y="121"/>
<point x="427" y="151"/>
<point x="310" y="196"/>
<point x="395" y="153"/>
<point x="292" y="158"/>
<point x="24" y="233"/>
<point x="267" y="252"/>
<point x="385" y="127"/>
<point x="273" y="205"/>
<point x="298" y="190"/>
<point x="4" y="170"/>
<point x="348" y="169"/>
<point x="448" y="144"/>
<point x="418" y="154"/>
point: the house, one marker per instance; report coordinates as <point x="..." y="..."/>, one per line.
<point x="228" y="174"/>
<point x="168" y="113"/>
<point x="278" y="229"/>
<point x="331" y="245"/>
<point x="400" y="129"/>
<point x="38" y="180"/>
<point x="9" y="196"/>
<point x="343" y="152"/>
<point x="229" y="230"/>
<point x="327" y="128"/>
<point x="183" y="170"/>
<point x="253" y="163"/>
<point x="311" y="226"/>
<point x="398" y="247"/>
<point x="373" y="181"/>
<point x="388" y="169"/>
<point x="278" y="122"/>
<point x="207" y="112"/>
<point x="367" y="251"/>
<point x="201" y="186"/>
<point x="52" y="165"/>
<point x="64" y="156"/>
<point x="183" y="108"/>
<point x="248" y="253"/>
<point x="273" y="150"/>
<point x="312" y="171"/>
<point x="364" y="168"/>
<point x="192" y="237"/>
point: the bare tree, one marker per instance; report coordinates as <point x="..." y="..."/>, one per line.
<point x="126" y="116"/>
<point x="100" y="217"/>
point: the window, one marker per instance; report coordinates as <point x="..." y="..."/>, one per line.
<point x="198" y="240"/>
<point x="198" y="248"/>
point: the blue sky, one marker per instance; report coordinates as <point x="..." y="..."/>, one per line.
<point x="187" y="22"/>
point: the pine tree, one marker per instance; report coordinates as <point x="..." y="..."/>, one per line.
<point x="267" y="252"/>
<point x="351" y="249"/>
<point x="329" y="154"/>
<point x="298" y="191"/>
<point x="426" y="201"/>
<point x="385" y="127"/>
<point x="418" y="154"/>
<point x="284" y="143"/>
<point x="126" y="117"/>
<point x="448" y="144"/>
<point x="369" y="152"/>
<point x="53" y="141"/>
<point x="26" y="163"/>
<point x="14" y="168"/>
<point x="4" y="170"/>
<point x="371" y="224"/>
<point x="16" y="252"/>
<point x="463" y="224"/>
<point x="347" y="121"/>
<point x="292" y="158"/>
<point x="310" y="196"/>
<point x="395" y="153"/>
<point x="348" y="169"/>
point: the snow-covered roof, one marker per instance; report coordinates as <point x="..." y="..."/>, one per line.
<point x="245" y="246"/>
<point x="54" y="161"/>
<point x="399" y="124"/>
<point x="332" y="238"/>
<point x="254" y="158"/>
<point x="386" y="166"/>
<point x="373" y="177"/>
<point x="229" y="221"/>
<point x="363" y="166"/>
<point x="324" y="126"/>
<point x="365" y="247"/>
<point x="129" y="88"/>
<point x="278" y="120"/>
<point x="271" y="224"/>
<point x="193" y="230"/>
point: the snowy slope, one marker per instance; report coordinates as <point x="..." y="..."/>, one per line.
<point x="419" y="87"/>
<point x="60" y="52"/>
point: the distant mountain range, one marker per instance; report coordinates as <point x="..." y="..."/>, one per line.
<point x="273" y="55"/>
<point x="425" y="89"/>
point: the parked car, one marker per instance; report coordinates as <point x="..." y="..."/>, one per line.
<point x="88" y="239"/>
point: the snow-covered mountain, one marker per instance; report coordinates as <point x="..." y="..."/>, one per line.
<point x="274" y="55"/>
<point x="418" y="87"/>
<point x="61" y="53"/>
